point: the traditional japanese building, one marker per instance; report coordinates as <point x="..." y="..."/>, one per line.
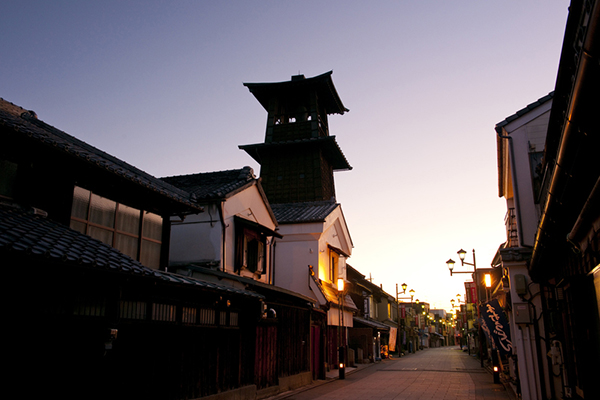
<point x="298" y="158"/>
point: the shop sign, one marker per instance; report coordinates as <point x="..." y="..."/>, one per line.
<point x="495" y="326"/>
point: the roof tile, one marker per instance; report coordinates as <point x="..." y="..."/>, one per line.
<point x="315" y="211"/>
<point x="25" y="122"/>
<point x="213" y="185"/>
<point x="42" y="239"/>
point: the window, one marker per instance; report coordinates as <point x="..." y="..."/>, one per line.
<point x="250" y="250"/>
<point x="535" y="164"/>
<point x="251" y="245"/>
<point x="134" y="232"/>
<point x="8" y="177"/>
<point x="334" y="260"/>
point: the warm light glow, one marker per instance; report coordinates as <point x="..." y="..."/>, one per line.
<point x="461" y="253"/>
<point x="340" y="284"/>
<point x="450" y="263"/>
<point x="404" y="286"/>
<point x="341" y="365"/>
<point x="495" y="368"/>
<point x="488" y="280"/>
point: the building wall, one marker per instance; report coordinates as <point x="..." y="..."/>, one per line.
<point x="305" y="244"/>
<point x="528" y="134"/>
<point x="199" y="238"/>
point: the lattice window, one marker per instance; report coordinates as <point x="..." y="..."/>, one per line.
<point x="133" y="310"/>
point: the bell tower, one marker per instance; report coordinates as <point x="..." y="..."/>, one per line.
<point x="298" y="156"/>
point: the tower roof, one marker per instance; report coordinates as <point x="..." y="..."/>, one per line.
<point x="300" y="85"/>
<point x="328" y="144"/>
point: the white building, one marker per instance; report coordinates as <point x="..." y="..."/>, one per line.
<point x="520" y="145"/>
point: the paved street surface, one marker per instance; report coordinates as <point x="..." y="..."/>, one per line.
<point x="439" y="373"/>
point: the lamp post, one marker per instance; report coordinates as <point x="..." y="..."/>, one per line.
<point x="412" y="293"/>
<point x="461" y="254"/>
<point x="341" y="352"/>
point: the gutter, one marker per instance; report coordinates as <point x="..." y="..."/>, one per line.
<point x="582" y="99"/>
<point x="587" y="221"/>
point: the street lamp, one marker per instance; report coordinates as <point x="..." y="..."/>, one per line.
<point x="341" y="352"/>
<point x="461" y="254"/>
<point x="412" y="293"/>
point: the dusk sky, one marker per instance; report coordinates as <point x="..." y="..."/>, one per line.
<point x="160" y="85"/>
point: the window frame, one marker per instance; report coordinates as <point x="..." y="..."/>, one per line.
<point x="115" y="231"/>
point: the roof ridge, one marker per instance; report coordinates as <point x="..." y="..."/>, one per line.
<point x="244" y="168"/>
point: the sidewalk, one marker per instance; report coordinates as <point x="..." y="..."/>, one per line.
<point x="437" y="373"/>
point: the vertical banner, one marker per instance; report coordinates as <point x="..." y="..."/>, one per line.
<point x="392" y="342"/>
<point x="402" y="311"/>
<point x="495" y="326"/>
<point x="471" y="292"/>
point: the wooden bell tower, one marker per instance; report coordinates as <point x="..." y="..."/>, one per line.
<point x="298" y="156"/>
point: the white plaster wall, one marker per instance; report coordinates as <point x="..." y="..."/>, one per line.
<point x="199" y="237"/>
<point x="528" y="133"/>
<point x="247" y="204"/>
<point x="524" y="338"/>
<point x="292" y="258"/>
<point x="307" y="244"/>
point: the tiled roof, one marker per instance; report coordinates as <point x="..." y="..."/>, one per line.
<point x="36" y="237"/>
<point x="328" y="144"/>
<point x="289" y="213"/>
<point x="249" y="282"/>
<point x="213" y="185"/>
<point x="26" y="123"/>
<point x="323" y="84"/>
<point x="331" y="294"/>
<point x="524" y="111"/>
<point x="371" y="323"/>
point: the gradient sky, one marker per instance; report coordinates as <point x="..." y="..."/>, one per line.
<point x="158" y="84"/>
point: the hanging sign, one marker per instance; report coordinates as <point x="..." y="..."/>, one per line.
<point x="471" y="292"/>
<point x="392" y="341"/>
<point x="495" y="326"/>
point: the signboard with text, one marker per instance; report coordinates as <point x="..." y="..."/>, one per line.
<point x="495" y="326"/>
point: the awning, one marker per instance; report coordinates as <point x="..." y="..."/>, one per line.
<point x="257" y="227"/>
<point x="371" y="324"/>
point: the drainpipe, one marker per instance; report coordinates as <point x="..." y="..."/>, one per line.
<point x="223" y="236"/>
<point x="273" y="245"/>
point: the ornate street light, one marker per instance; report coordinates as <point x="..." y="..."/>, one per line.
<point x="461" y="254"/>
<point x="404" y="286"/>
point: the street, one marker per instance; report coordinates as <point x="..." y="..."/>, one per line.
<point x="437" y="373"/>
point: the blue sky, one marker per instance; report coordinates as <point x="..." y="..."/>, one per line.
<point x="160" y="85"/>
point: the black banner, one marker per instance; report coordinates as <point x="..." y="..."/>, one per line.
<point x="495" y="326"/>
